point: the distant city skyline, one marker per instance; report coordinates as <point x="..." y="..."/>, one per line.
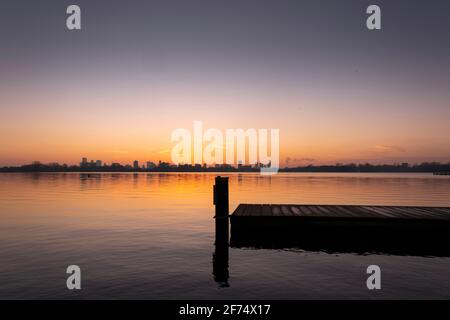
<point x="149" y="165"/>
<point x="140" y="69"/>
<point x="94" y="166"/>
<point x="284" y="162"/>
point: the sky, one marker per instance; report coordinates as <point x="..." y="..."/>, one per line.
<point x="138" y="70"/>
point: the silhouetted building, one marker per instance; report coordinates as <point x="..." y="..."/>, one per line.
<point x="135" y="164"/>
<point x="150" y="165"/>
<point x="98" y="163"/>
<point x="83" y="162"/>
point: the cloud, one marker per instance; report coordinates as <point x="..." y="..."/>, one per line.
<point x="290" y="160"/>
<point x="159" y="151"/>
<point x="388" y="149"/>
<point x="163" y="151"/>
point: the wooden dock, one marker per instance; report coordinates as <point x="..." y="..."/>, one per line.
<point x="342" y="211"/>
<point x="343" y="228"/>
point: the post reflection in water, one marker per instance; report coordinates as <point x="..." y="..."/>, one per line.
<point x="220" y="256"/>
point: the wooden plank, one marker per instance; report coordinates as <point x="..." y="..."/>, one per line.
<point x="315" y="212"/>
<point x="366" y="212"/>
<point x="426" y="213"/>
<point x="354" y="211"/>
<point x="410" y="213"/>
<point x="305" y="211"/>
<point x="246" y="210"/>
<point x="254" y="210"/>
<point x="394" y="212"/>
<point x="400" y="213"/>
<point x="386" y="212"/>
<point x="276" y="211"/>
<point x="345" y="211"/>
<point x="375" y="212"/>
<point x="326" y="211"/>
<point x="340" y="211"/>
<point x="445" y="211"/>
<point x="439" y="212"/>
<point x="296" y="211"/>
<point x="286" y="211"/>
<point x="239" y="210"/>
<point x="389" y="213"/>
<point x="266" y="211"/>
<point x="414" y="211"/>
<point x="359" y="211"/>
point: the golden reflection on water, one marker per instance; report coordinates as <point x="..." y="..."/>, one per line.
<point x="25" y="197"/>
<point x="152" y="235"/>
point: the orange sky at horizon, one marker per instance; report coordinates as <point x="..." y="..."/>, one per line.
<point x="49" y="127"/>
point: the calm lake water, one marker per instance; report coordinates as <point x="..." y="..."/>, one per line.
<point x="151" y="236"/>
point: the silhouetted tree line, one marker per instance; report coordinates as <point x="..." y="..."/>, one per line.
<point x="367" y="167"/>
<point x="37" y="166"/>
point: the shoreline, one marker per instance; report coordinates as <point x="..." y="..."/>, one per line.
<point x="228" y="172"/>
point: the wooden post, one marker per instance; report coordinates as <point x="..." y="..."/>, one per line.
<point x="222" y="209"/>
<point x="221" y="196"/>
<point x="220" y="256"/>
